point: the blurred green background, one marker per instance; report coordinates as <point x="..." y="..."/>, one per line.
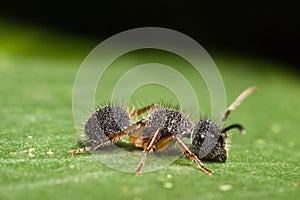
<point x="38" y="67"/>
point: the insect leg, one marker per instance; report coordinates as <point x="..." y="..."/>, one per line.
<point x="238" y="101"/>
<point x="78" y="151"/>
<point x="111" y="139"/>
<point x="163" y="143"/>
<point x="135" y="137"/>
<point x="142" y="110"/>
<point x="192" y="156"/>
<point x="149" y="147"/>
<point x="117" y="136"/>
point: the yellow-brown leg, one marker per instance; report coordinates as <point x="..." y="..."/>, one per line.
<point x="78" y="151"/>
<point x="163" y="143"/>
<point x="192" y="156"/>
<point x="136" y="139"/>
<point x="111" y="139"/>
<point x="142" y="110"/>
<point x="149" y="148"/>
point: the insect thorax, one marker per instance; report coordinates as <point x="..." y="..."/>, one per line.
<point x="169" y="122"/>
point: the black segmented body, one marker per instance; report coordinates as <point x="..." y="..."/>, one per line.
<point x="169" y="122"/>
<point x="209" y="142"/>
<point x="105" y="122"/>
<point x="162" y="128"/>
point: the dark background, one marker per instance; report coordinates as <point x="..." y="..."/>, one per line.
<point x="268" y="30"/>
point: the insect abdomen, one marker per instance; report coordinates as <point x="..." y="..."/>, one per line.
<point x="105" y="122"/>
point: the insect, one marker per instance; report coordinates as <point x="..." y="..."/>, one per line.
<point x="163" y="126"/>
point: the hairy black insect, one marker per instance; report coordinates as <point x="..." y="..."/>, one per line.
<point x="162" y="126"/>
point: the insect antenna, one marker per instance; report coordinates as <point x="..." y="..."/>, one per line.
<point x="237" y="126"/>
<point x="238" y="101"/>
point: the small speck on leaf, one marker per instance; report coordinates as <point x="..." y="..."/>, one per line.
<point x="30" y="152"/>
<point x="295" y="185"/>
<point x="50" y="152"/>
<point x="260" y="141"/>
<point x="124" y="189"/>
<point x="168" y="185"/>
<point x="225" y="187"/>
<point x="276" y="128"/>
<point x="169" y="176"/>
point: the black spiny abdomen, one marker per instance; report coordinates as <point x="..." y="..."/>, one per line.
<point x="105" y="122"/>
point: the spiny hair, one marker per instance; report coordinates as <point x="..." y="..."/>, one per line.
<point x="168" y="121"/>
<point x="209" y="142"/>
<point x="169" y="104"/>
<point x="104" y="122"/>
